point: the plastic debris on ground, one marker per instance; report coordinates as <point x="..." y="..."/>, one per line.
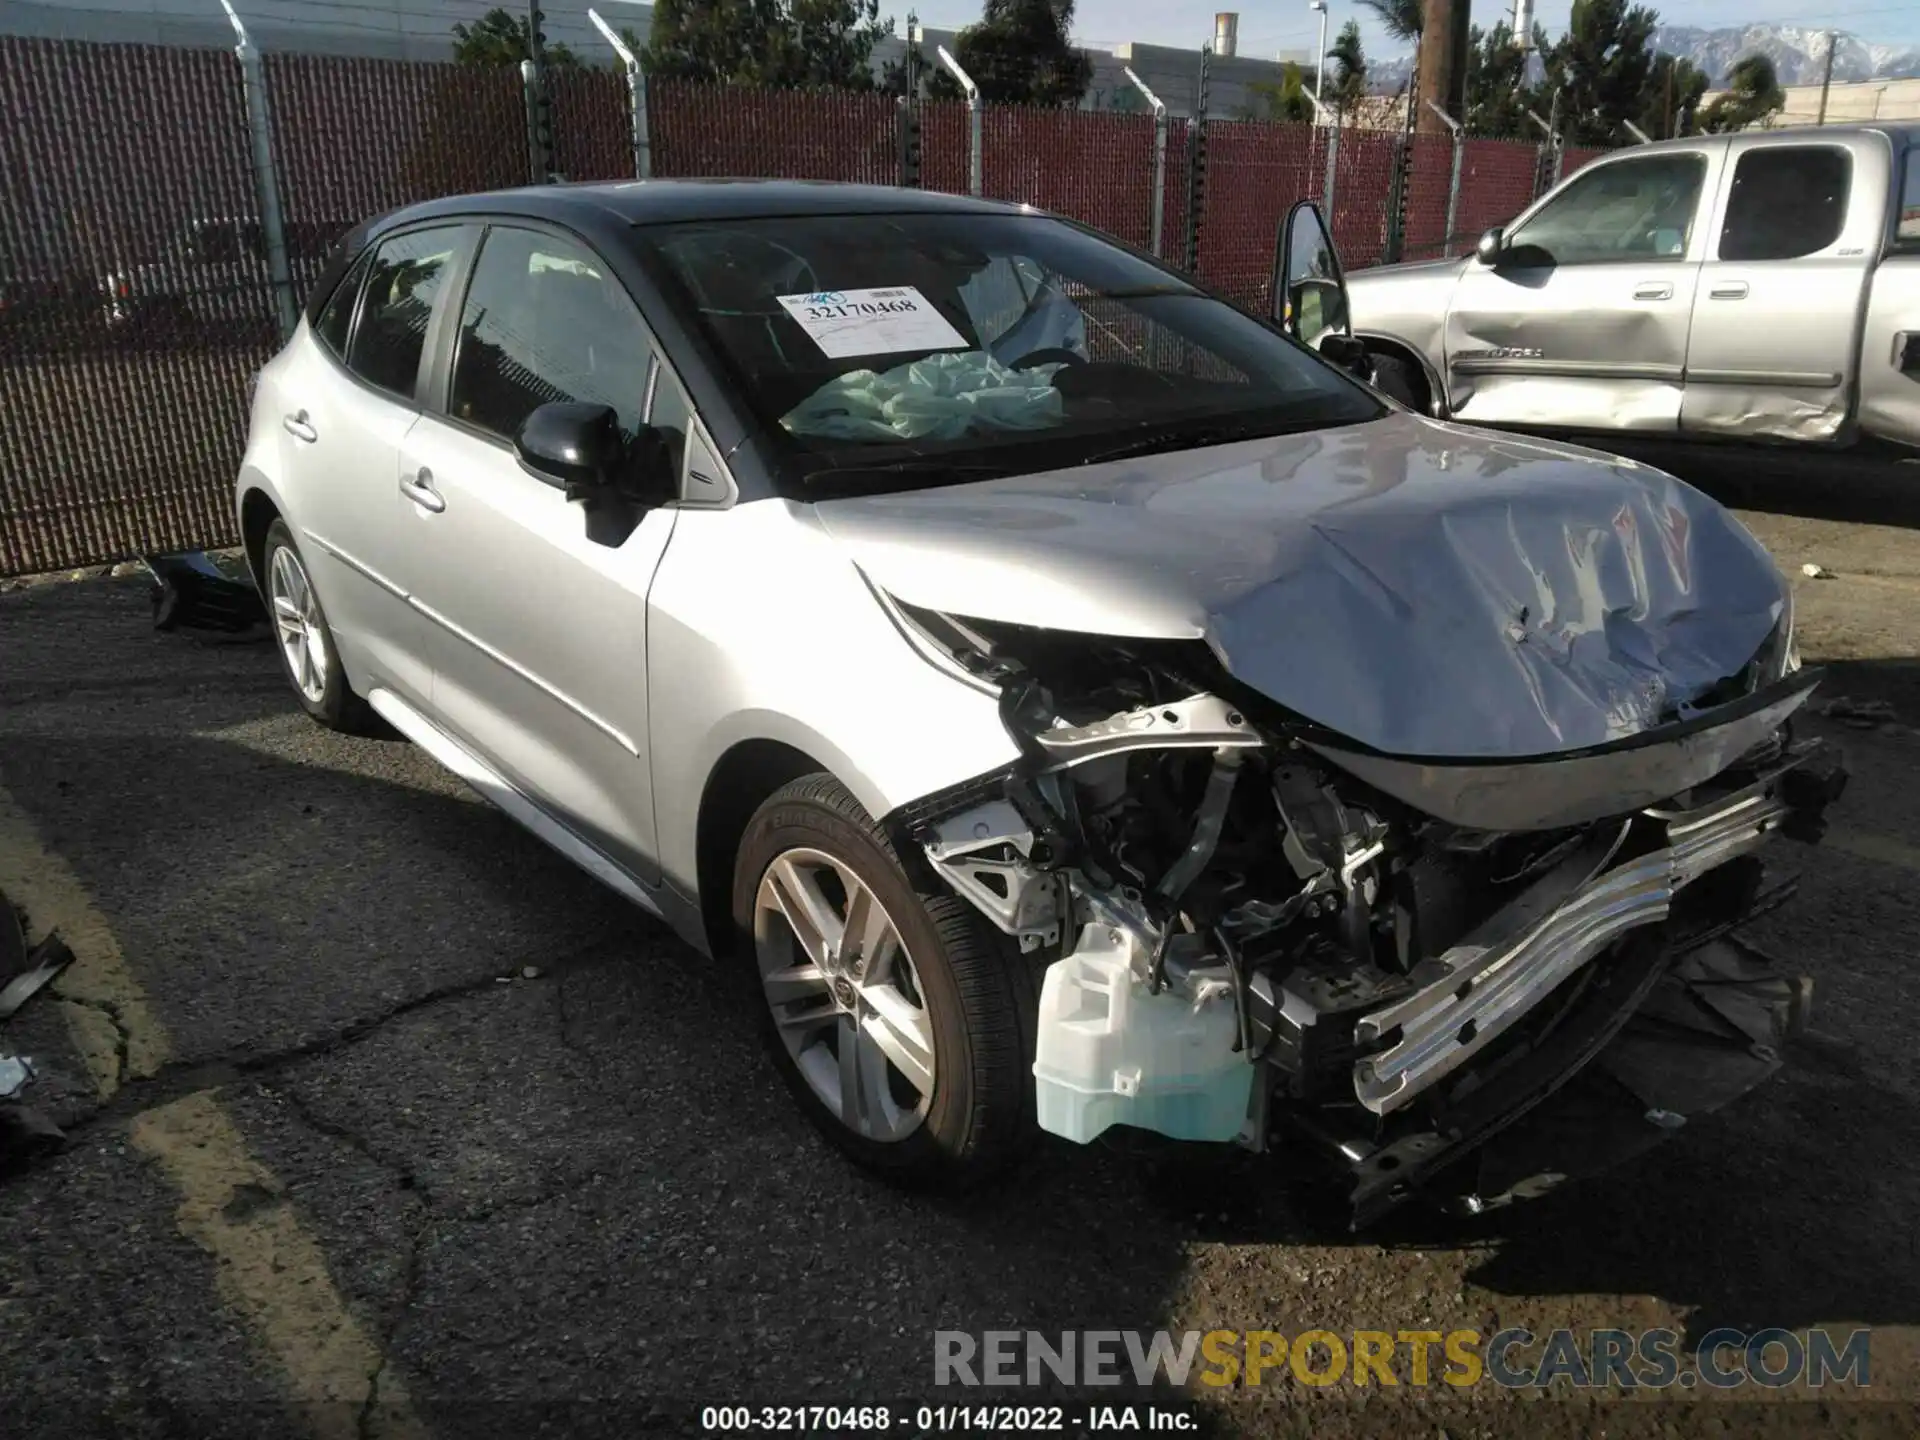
<point x="1817" y="572"/>
<point x="192" y="592"/>
<point x="15" y="1072"/>
<point x="938" y="398"/>
<point x="1861" y="714"/>
<point x="25" y="1132"/>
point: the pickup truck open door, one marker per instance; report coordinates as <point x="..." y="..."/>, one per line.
<point x="1577" y="317"/>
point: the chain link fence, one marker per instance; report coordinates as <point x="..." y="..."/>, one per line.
<point x="141" y="281"/>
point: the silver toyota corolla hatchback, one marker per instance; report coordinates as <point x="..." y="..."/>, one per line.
<point x="1075" y="702"/>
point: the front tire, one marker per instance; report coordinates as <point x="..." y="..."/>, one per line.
<point x="308" y="657"/>
<point x="900" y="1021"/>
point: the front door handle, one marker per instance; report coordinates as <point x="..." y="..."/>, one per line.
<point x="420" y="490"/>
<point x="1654" y="290"/>
<point x="296" y="425"/>
<point x="1729" y="290"/>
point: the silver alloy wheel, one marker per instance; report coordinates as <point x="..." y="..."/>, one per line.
<point x="296" y="619"/>
<point x="845" y="995"/>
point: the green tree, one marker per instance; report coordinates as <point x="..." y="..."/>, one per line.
<point x="1402" y="18"/>
<point x="1349" y="81"/>
<point x="1601" y="67"/>
<point x="1020" y="53"/>
<point x="1497" y="90"/>
<point x="1753" y="95"/>
<point x="500" y="38"/>
<point x="1673" y="94"/>
<point x="790" y="44"/>
<point x="1285" y="100"/>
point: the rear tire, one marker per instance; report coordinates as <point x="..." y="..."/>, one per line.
<point x="308" y="657"/>
<point x="899" y="975"/>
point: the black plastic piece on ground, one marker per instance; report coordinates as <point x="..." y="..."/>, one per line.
<point x="190" y="592"/>
<point x="48" y="959"/>
<point x="13" y="941"/>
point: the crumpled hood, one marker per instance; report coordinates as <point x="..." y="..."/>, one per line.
<point x="1421" y="588"/>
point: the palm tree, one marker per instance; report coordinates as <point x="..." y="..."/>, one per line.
<point x="1349" y="66"/>
<point x="1402" y="18"/>
<point x="1753" y="93"/>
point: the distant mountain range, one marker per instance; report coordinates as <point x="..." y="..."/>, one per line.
<point x="1798" y="52"/>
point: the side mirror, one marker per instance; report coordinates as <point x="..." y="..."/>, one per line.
<point x="1492" y="245"/>
<point x="575" y="446"/>
<point x="1349" y="353"/>
<point x="580" y="449"/>
<point x="1309" y="293"/>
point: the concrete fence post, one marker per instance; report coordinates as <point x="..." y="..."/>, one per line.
<point x="1158" y="225"/>
<point x="636" y="97"/>
<point x="266" y="178"/>
<point x="1333" y="165"/>
<point x="973" y="118"/>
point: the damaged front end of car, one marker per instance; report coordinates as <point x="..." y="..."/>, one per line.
<point x="1257" y="931"/>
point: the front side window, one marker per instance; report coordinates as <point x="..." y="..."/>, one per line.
<point x="907" y="349"/>
<point x="1908" y="225"/>
<point x="1786" y="201"/>
<point x="1629" y="210"/>
<point x="544" y="322"/>
<point x="404" y="278"/>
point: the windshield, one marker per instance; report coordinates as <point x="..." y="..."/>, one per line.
<point x="875" y="347"/>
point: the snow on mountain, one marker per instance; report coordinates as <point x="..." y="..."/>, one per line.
<point x="1798" y="52"/>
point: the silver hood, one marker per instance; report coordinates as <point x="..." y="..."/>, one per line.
<point x="1423" y="589"/>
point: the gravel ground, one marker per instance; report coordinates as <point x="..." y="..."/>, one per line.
<point x="386" y="1121"/>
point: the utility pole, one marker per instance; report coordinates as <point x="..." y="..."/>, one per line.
<point x="1320" y="61"/>
<point x="1826" y="80"/>
<point x="1437" y="61"/>
<point x="1667" y="109"/>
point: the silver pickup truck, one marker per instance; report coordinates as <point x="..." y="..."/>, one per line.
<point x="1759" y="287"/>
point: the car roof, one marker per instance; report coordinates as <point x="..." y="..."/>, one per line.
<point x="1901" y="133"/>
<point x="659" y="202"/>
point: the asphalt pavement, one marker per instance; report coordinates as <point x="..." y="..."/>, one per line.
<point x="384" y="1121"/>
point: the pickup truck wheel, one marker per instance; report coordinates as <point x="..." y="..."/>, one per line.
<point x="901" y="1023"/>
<point x="1396" y="379"/>
<point x="305" y="645"/>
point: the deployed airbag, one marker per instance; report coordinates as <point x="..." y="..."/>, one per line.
<point x="938" y="398"/>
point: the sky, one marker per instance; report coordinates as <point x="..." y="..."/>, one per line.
<point x="1271" y="26"/>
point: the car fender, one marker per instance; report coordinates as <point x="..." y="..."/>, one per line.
<point x="1407" y="306"/>
<point x="761" y="628"/>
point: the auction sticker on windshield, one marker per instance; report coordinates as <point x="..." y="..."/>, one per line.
<point x="871" y="322"/>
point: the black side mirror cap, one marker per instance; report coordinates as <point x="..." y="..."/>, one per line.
<point x="573" y="445"/>
<point x="1491" y="246"/>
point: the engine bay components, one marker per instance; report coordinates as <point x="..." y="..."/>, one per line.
<point x="1254" y="932"/>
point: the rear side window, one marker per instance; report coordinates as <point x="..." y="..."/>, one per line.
<point x="404" y="278"/>
<point x="544" y="322"/>
<point x="337" y="319"/>
<point x="1786" y="201"/>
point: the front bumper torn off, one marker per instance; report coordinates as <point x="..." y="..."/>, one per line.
<point x="1479" y="988"/>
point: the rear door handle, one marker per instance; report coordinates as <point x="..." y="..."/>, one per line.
<point x="1654" y="290"/>
<point x="296" y="425"/>
<point x="1729" y="290"/>
<point x="420" y="490"/>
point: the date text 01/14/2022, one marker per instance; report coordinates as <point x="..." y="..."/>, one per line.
<point x="943" y="1419"/>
